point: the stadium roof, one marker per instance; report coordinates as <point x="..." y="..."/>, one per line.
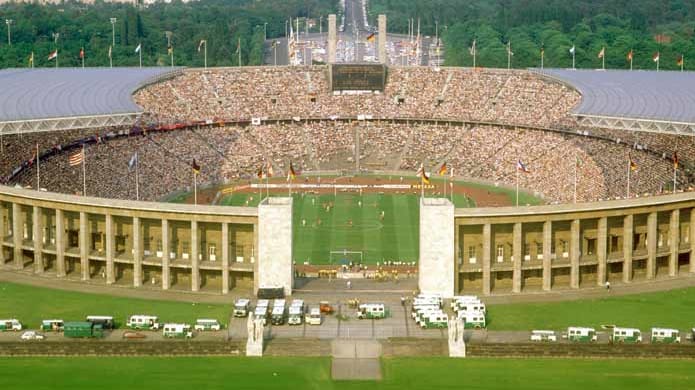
<point x="64" y="98"/>
<point x="636" y="100"/>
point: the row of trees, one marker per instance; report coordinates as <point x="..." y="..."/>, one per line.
<point x="69" y="27"/>
<point x="643" y="26"/>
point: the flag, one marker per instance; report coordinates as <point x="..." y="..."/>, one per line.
<point x="269" y="170"/>
<point x="509" y="48"/>
<point x="602" y="52"/>
<point x="572" y="50"/>
<point x="195" y="167"/>
<point x="202" y="42"/>
<point x="656" y="57"/>
<point x="52" y="56"/>
<point x="82" y="52"/>
<point x="291" y="174"/>
<point x="679" y="61"/>
<point x="76" y="158"/>
<point x="442" y="169"/>
<point x="371" y="37"/>
<point x="521" y="167"/>
<point x="170" y="50"/>
<point x="260" y="174"/>
<point x="423" y="175"/>
<point x="542" y="51"/>
<point x="238" y="46"/>
<point x="31" y="59"/>
<point x="133" y="161"/>
<point x="472" y="49"/>
<point x="109" y="51"/>
<point x="137" y="49"/>
<point x="629" y="55"/>
<point x="633" y="164"/>
<point x="675" y="160"/>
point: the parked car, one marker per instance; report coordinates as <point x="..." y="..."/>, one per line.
<point x="32" y="335"/>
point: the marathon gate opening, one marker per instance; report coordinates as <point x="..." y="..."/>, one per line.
<point x="357" y="77"/>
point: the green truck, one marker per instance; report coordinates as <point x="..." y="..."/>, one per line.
<point x="83" y="329"/>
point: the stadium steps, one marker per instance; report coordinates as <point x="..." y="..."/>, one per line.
<point x="583" y="350"/>
<point x="121" y="348"/>
<point x="297" y="347"/>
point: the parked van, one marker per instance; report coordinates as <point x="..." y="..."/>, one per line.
<point x="12" y="324"/>
<point x="143" y="321"/>
<point x="423" y="309"/>
<point x="463" y="298"/>
<point x="296" y="315"/>
<point x="83" y="329"/>
<point x="664" y="335"/>
<point x="177" y="331"/>
<point x="371" y="311"/>
<point x="626" y="335"/>
<point x="426" y="302"/>
<point x="106" y="322"/>
<point x="277" y="316"/>
<point x="579" y="334"/>
<point x="469" y="306"/>
<point x="202" y="324"/>
<point x="543" y="335"/>
<point x="241" y="307"/>
<point x="314" y="316"/>
<point x="52" y="325"/>
<point x="472" y="319"/>
<point x="261" y="313"/>
<point x="435" y="320"/>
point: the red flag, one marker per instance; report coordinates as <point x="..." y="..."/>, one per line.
<point x="82" y="52"/>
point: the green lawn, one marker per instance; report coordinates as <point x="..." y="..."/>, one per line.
<point x="31" y="304"/>
<point x="672" y="309"/>
<point x="314" y="373"/>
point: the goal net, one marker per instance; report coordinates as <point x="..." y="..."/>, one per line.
<point x="346" y="257"/>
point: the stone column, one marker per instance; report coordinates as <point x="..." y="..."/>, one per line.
<point x="601" y="251"/>
<point x="547" y="255"/>
<point x="436" y="258"/>
<point x="225" y="258"/>
<point x="17" y="235"/>
<point x="60" y="243"/>
<point x="137" y="253"/>
<point x="37" y="219"/>
<point x="166" y="283"/>
<point x="674" y="240"/>
<point x="195" y="272"/>
<point x="651" y="245"/>
<point x="274" y="263"/>
<point x="332" y="38"/>
<point x="457" y="251"/>
<point x="84" y="246"/>
<point x="487" y="254"/>
<point x="575" y="245"/>
<point x="3" y="233"/>
<point x="110" y="274"/>
<point x="517" y="244"/>
<point x="628" y="237"/>
<point x="692" y="240"/>
<point x="381" y="50"/>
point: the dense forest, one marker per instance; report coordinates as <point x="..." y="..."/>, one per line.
<point x="222" y="23"/>
<point x="643" y="26"/>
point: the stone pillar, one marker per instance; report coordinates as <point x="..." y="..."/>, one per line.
<point x="195" y="272"/>
<point x="381" y="50"/>
<point x="674" y="242"/>
<point x="137" y="252"/>
<point x="37" y="219"/>
<point x="274" y="263"/>
<point x="17" y="235"/>
<point x="517" y="245"/>
<point x="332" y="38"/>
<point x="601" y="251"/>
<point x="628" y="237"/>
<point x="651" y="245"/>
<point x="3" y="233"/>
<point x="225" y="258"/>
<point x="110" y="274"/>
<point x="60" y="243"/>
<point x="547" y="255"/>
<point x="437" y="257"/>
<point x="166" y="249"/>
<point x="487" y="254"/>
<point x="575" y="252"/>
<point x="457" y="257"/>
<point x="84" y="246"/>
<point x="692" y="240"/>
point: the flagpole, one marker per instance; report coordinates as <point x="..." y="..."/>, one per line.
<point x="629" y="168"/>
<point x="576" y="165"/>
<point x="603" y="58"/>
<point x="205" y="53"/>
<point x="517" y="187"/>
<point x="675" y="169"/>
<point x="195" y="188"/>
<point x="137" y="177"/>
<point x="238" y="46"/>
<point x="82" y="58"/>
<point x="84" y="172"/>
<point x="140" y="56"/>
<point x="509" y="55"/>
<point x="38" y="169"/>
<point x="573" y="57"/>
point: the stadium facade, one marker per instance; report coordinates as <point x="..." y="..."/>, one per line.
<point x="212" y="248"/>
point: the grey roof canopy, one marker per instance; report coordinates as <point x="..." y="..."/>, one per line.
<point x="636" y="100"/>
<point x="63" y="98"/>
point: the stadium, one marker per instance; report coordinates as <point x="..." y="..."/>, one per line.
<point x="202" y="161"/>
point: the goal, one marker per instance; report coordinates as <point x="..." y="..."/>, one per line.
<point x="346" y="256"/>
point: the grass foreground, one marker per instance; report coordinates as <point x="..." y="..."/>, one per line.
<point x="314" y="373"/>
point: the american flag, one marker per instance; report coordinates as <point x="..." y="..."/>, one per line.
<point x="76" y="158"/>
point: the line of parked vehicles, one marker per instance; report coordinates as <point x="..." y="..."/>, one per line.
<point x="427" y="311"/>
<point x="617" y="335"/>
<point x="297" y="313"/>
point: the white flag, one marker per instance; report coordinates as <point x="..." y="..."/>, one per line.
<point x="137" y="49"/>
<point x="572" y="50"/>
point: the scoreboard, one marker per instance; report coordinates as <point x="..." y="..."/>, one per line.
<point x="357" y="77"/>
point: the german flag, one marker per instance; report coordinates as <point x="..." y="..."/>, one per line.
<point x="633" y="165"/>
<point x="675" y="160"/>
<point x="260" y="173"/>
<point x="443" y="169"/>
<point x="269" y="170"/>
<point x="195" y="167"/>
<point x="371" y="37"/>
<point x="170" y="50"/>
<point x="423" y="175"/>
<point x="679" y="61"/>
<point x="291" y="174"/>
